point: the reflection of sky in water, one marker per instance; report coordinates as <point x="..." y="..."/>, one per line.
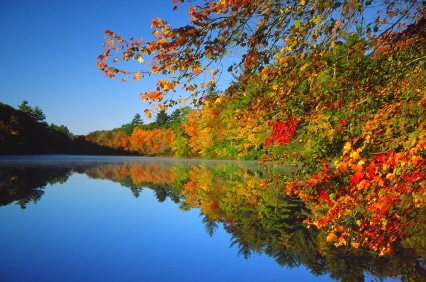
<point x="96" y="230"/>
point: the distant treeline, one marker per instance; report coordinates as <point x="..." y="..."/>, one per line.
<point x="24" y="131"/>
<point x="209" y="132"/>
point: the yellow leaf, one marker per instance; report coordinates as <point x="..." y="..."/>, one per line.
<point x="140" y="60"/>
<point x="302" y="68"/>
<point x="355" y="156"/>
<point x="347" y="147"/>
<point x="156" y="33"/>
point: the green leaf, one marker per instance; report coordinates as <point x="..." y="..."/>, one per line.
<point x="297" y="24"/>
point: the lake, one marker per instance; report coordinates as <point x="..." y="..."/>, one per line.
<point x="90" y="218"/>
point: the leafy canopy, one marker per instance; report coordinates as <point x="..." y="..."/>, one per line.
<point x="244" y="36"/>
<point x="341" y="84"/>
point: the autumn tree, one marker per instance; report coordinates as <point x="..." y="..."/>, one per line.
<point x="151" y="142"/>
<point x="263" y="31"/>
<point x="178" y="118"/>
<point x="341" y="86"/>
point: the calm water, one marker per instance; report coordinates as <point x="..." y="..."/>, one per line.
<point x="150" y="219"/>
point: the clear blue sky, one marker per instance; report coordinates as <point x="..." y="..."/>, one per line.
<point x="49" y="50"/>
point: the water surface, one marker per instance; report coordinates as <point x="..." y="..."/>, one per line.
<point x="86" y="218"/>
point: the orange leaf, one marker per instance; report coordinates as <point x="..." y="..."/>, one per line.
<point x="331" y="237"/>
<point x="341" y="241"/>
<point x="355" y="245"/>
<point x="137" y="76"/>
<point x="198" y="71"/>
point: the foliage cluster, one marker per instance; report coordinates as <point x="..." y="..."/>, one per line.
<point x="341" y="84"/>
<point x="138" y="138"/>
<point x="209" y="132"/>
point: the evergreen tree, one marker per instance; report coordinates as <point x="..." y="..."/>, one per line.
<point x="179" y="115"/>
<point x="162" y="119"/>
<point x="35" y="113"/>
<point x="24" y="107"/>
<point x="137" y="120"/>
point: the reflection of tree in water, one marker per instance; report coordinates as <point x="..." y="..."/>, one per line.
<point x="259" y="220"/>
<point x="25" y="185"/>
<point x="265" y="221"/>
<point x="209" y="225"/>
<point x="294" y="245"/>
<point x="161" y="191"/>
<point x="136" y="177"/>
